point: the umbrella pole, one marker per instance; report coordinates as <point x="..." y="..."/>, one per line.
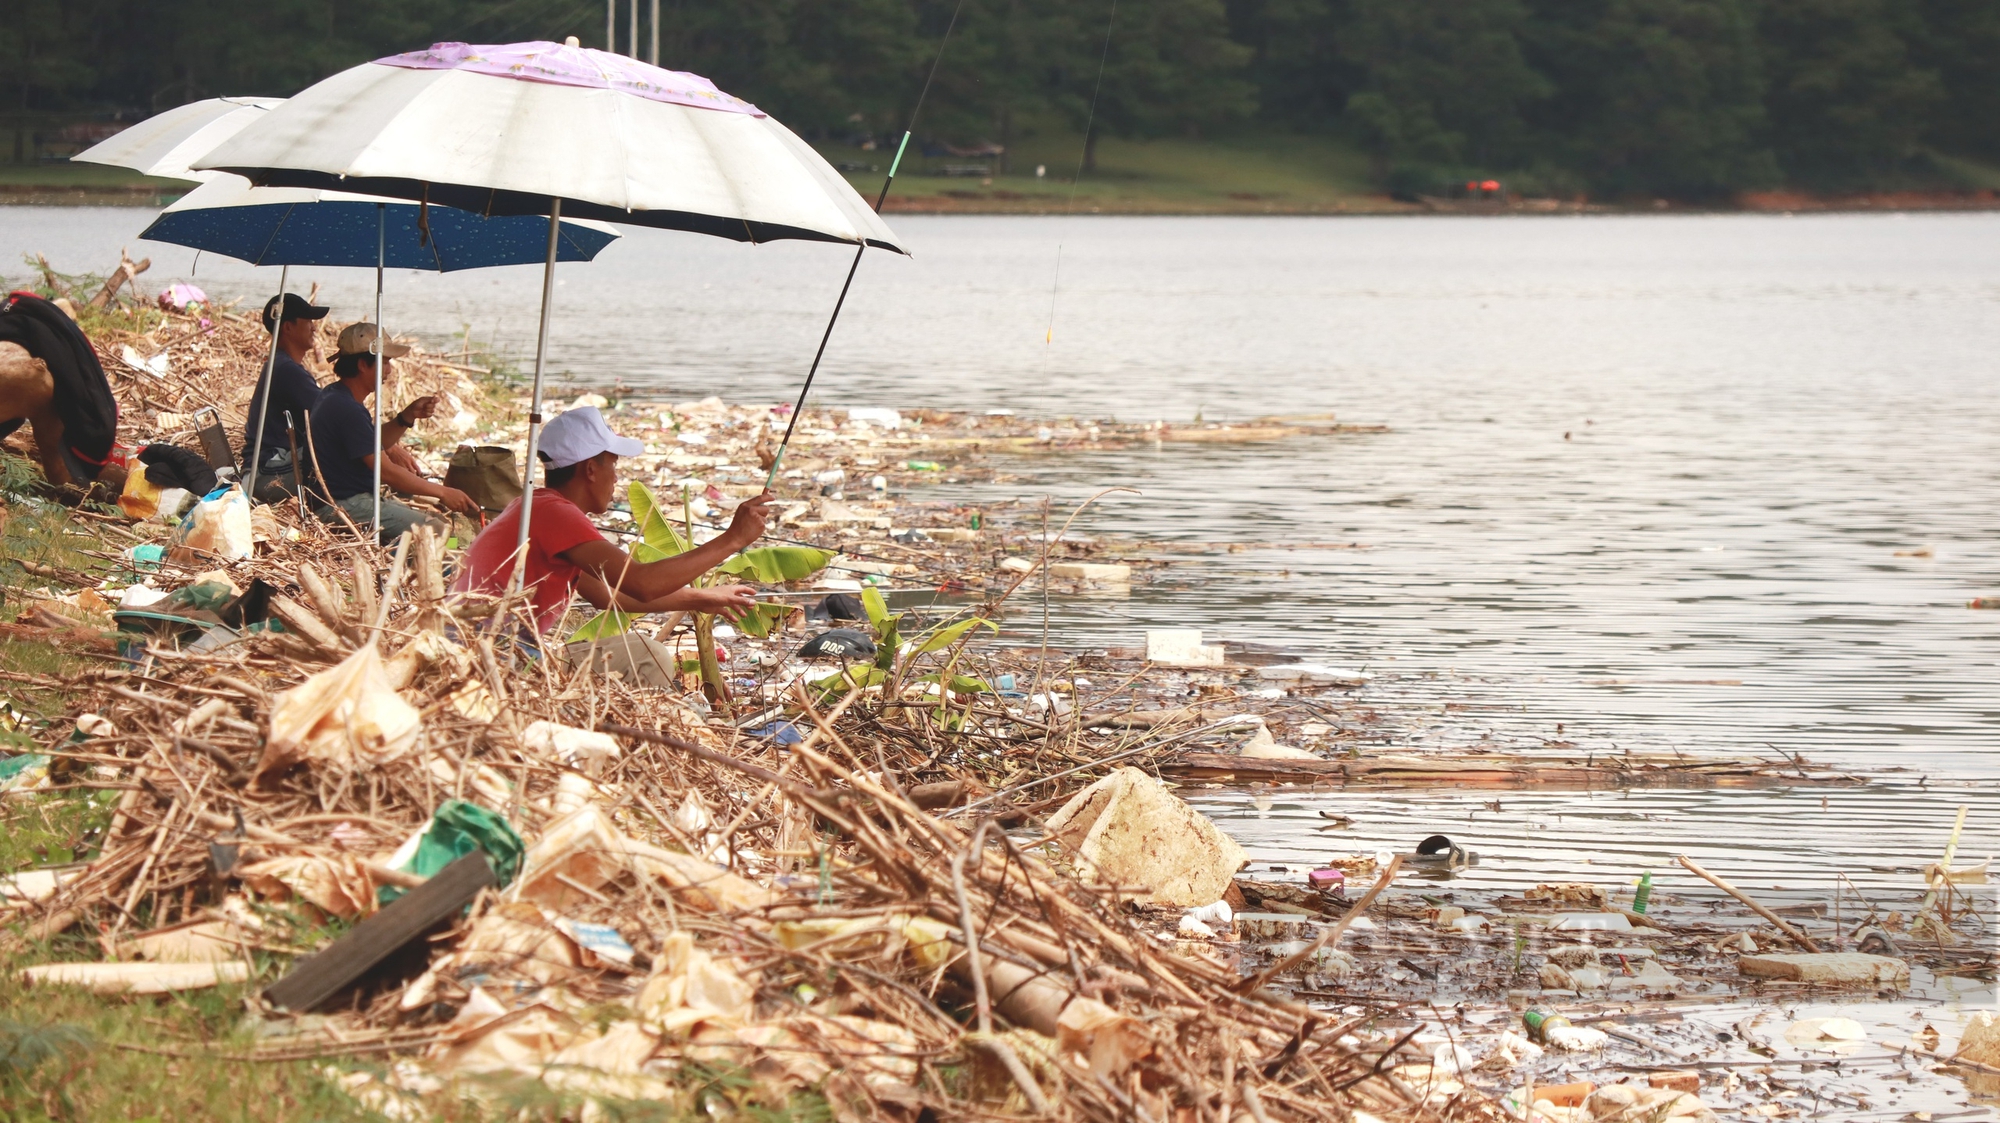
<point x="381" y="256"/>
<point x="535" y="401"/>
<point x="270" y="366"/>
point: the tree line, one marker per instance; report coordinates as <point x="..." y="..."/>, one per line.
<point x="1612" y="98"/>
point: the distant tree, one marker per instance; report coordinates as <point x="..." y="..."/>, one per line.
<point x="51" y="53"/>
<point x="1302" y="77"/>
<point x="821" y="66"/>
<point x="1848" y="106"/>
<point x="1652" y="96"/>
<point x="1445" y="85"/>
<point x="144" y="55"/>
<point x="1007" y="60"/>
<point x="1960" y="41"/>
<point x="1169" y="66"/>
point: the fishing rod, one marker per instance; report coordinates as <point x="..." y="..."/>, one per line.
<point x="880" y="197"/>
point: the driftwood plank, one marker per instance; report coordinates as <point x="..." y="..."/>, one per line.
<point x="370" y="942"/>
<point x="1494" y="770"/>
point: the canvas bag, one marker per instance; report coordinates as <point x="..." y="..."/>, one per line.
<point x="487" y="473"/>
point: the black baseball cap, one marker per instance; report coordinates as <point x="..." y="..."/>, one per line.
<point x="296" y="308"/>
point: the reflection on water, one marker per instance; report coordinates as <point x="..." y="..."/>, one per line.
<point x="1715" y="484"/>
<point x="1784" y="845"/>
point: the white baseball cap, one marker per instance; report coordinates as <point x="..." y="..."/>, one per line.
<point x="578" y="434"/>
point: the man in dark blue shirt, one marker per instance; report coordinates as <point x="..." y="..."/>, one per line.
<point x="293" y="388"/>
<point x="343" y="444"/>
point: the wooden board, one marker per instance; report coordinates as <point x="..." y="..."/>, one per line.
<point x="368" y="943"/>
<point x="1498" y="770"/>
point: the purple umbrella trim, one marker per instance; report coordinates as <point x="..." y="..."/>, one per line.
<point x="559" y="65"/>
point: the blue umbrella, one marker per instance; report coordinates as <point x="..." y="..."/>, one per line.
<point x="291" y="226"/>
<point x="298" y="226"/>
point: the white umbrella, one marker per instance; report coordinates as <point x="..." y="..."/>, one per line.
<point x="166" y="144"/>
<point x="548" y="129"/>
<point x="295" y="226"/>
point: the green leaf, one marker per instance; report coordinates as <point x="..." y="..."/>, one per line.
<point x="962" y="684"/>
<point x="604" y="625"/>
<point x="877" y="608"/>
<point x="853" y="678"/>
<point x="661" y="540"/>
<point x="946" y="635"/>
<point x="775" y="564"/>
<point x="762" y="618"/>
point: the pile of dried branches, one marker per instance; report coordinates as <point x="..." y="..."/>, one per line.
<point x="791" y="912"/>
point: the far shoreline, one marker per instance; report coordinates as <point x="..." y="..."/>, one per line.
<point x="1001" y="201"/>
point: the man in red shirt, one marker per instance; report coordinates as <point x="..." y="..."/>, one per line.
<point x="566" y="553"/>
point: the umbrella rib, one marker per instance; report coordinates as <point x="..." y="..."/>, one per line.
<point x="273" y="239"/>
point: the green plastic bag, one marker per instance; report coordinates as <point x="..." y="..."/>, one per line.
<point x="23" y="771"/>
<point x="457" y="829"/>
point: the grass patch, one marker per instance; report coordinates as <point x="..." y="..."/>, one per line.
<point x="54" y="830"/>
<point x="1251" y="172"/>
<point x="64" y="174"/>
<point x="108" y="1059"/>
<point x="69" y="1055"/>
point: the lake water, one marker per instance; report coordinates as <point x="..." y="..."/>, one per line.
<point x="1720" y="484"/>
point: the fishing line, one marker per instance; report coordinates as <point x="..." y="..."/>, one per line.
<point x="1055" y="286"/>
<point x="1083" y="153"/>
<point x="792" y="422"/>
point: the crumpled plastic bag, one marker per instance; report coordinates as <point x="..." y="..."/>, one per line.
<point x="140" y="499"/>
<point x="1130" y="830"/>
<point x="458" y="828"/>
<point x="689" y="988"/>
<point x="889" y="936"/>
<point x="522" y="1041"/>
<point x="515" y="940"/>
<point x="177" y="296"/>
<point x="335" y="884"/>
<point x="220" y="525"/>
<point x="585" y="848"/>
<point x="1112" y="1042"/>
<point x="584" y="748"/>
<point x="347" y="716"/>
<point x="608" y="1065"/>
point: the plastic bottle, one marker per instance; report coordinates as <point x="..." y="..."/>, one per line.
<point x="1644" y="893"/>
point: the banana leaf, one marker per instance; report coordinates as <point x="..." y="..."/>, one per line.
<point x="852" y="678"/>
<point x="962" y="684"/>
<point x="660" y="539"/>
<point x="775" y="564"/>
<point x="604" y="625"/>
<point x="945" y="635"/>
<point x="888" y="636"/>
<point x="762" y="618"/>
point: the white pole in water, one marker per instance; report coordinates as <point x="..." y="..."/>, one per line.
<point x="270" y="366"/>
<point x="381" y="256"/>
<point x="635" y="28"/>
<point x="535" y="400"/>
<point x="653" y="56"/>
<point x="611" y="26"/>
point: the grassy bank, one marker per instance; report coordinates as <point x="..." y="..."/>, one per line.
<point x="1250" y="173"/>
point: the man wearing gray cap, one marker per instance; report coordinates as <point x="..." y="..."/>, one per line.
<point x="566" y="553"/>
<point x="343" y="444"/>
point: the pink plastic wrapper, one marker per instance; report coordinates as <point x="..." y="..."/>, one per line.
<point x="1326" y="879"/>
<point x="177" y="296"/>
